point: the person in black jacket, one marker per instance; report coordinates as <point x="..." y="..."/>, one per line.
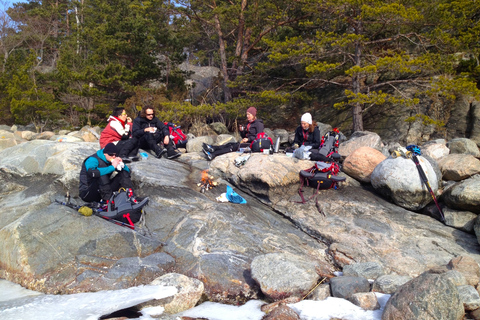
<point x="248" y="132"/>
<point x="151" y="132"/>
<point x="307" y="134"/>
<point x="96" y="176"/>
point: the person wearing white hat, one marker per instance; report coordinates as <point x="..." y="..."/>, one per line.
<point x="307" y="134"/>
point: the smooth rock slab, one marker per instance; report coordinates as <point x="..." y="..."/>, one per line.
<point x="283" y="275"/>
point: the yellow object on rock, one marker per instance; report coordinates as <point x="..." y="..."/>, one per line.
<point x="86" y="211"/>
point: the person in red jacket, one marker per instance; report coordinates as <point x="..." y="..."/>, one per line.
<point x="119" y="132"/>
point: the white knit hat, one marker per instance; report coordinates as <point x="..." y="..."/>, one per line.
<point x="307" y="117"/>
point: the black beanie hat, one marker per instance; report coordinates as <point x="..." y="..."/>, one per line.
<point x="110" y="149"/>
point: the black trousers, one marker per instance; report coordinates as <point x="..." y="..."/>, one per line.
<point x="229" y="147"/>
<point x="149" y="141"/>
<point x="103" y="187"/>
<point x="128" y="147"/>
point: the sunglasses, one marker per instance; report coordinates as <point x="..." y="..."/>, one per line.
<point x="149" y="114"/>
<point x="112" y="154"/>
<point x="124" y="114"/>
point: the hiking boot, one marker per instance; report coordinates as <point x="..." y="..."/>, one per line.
<point x="134" y="158"/>
<point x="209" y="155"/>
<point x="159" y="152"/>
<point x="172" y="154"/>
<point x="208" y="147"/>
<point x="126" y="160"/>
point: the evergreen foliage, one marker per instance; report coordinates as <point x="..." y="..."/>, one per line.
<point x="68" y="63"/>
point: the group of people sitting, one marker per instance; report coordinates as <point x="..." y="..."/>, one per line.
<point x="122" y="138"/>
<point x="307" y="134"/>
<point x="119" y="142"/>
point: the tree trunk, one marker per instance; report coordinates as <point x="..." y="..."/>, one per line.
<point x="357" y="107"/>
<point x="223" y="59"/>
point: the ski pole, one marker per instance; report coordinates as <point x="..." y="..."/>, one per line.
<point x="429" y="188"/>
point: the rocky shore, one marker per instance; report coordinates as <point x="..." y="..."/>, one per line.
<point x="380" y="229"/>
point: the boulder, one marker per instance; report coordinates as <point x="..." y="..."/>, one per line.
<point x="211" y="241"/>
<point x="361" y="162"/>
<point x="399" y="180"/>
<point x="429" y="296"/>
<point x="475" y="119"/>
<point x="320" y="293"/>
<point x="389" y="283"/>
<point x="269" y="132"/>
<point x="368" y="270"/>
<point x="4" y="127"/>
<point x="464" y="195"/>
<point x="282" y="312"/>
<point x="189" y="292"/>
<point x="267" y="176"/>
<point x="66" y="138"/>
<point x="28" y="135"/>
<point x="195" y="145"/>
<point x="45" y="135"/>
<point x="324" y="128"/>
<point x="283" y="134"/>
<point x="461" y="220"/>
<point x="224" y="139"/>
<point x="466" y="266"/>
<point x="345" y="287"/>
<point x="269" y="272"/>
<point x="463" y="146"/>
<point x="7" y="139"/>
<point x="456" y="277"/>
<point x="365" y="300"/>
<point x="458" y="167"/>
<point x="219" y="127"/>
<point x="360" y="139"/>
<point x="435" y="150"/>
<point x="469" y="296"/>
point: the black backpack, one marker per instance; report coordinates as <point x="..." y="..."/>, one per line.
<point x="323" y="175"/>
<point x="262" y="142"/>
<point x="121" y="207"/>
<point x="328" y="146"/>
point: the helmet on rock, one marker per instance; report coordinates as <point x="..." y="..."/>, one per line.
<point x="414" y="149"/>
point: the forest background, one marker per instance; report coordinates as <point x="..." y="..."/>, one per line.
<point x="65" y="64"/>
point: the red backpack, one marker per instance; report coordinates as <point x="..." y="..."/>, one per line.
<point x="262" y="142"/>
<point x="179" y="138"/>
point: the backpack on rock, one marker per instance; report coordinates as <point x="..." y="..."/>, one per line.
<point x="328" y="146"/>
<point x="123" y="207"/>
<point x="323" y="175"/>
<point x="262" y="142"/>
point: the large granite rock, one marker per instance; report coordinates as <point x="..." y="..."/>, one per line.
<point x="360" y="139"/>
<point x="464" y="195"/>
<point x="210" y="241"/>
<point x="195" y="235"/>
<point x="399" y="180"/>
<point x="270" y="272"/>
<point x="429" y="296"/>
<point x="463" y="146"/>
<point x="457" y="167"/>
<point x="361" y="162"/>
<point x="435" y="150"/>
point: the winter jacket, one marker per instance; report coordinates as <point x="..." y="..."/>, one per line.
<point x="115" y="131"/>
<point x="93" y="167"/>
<point x="139" y="125"/>
<point x="307" y="138"/>
<point x="251" y="129"/>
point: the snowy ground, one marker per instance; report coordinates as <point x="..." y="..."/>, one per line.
<point x="17" y="303"/>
